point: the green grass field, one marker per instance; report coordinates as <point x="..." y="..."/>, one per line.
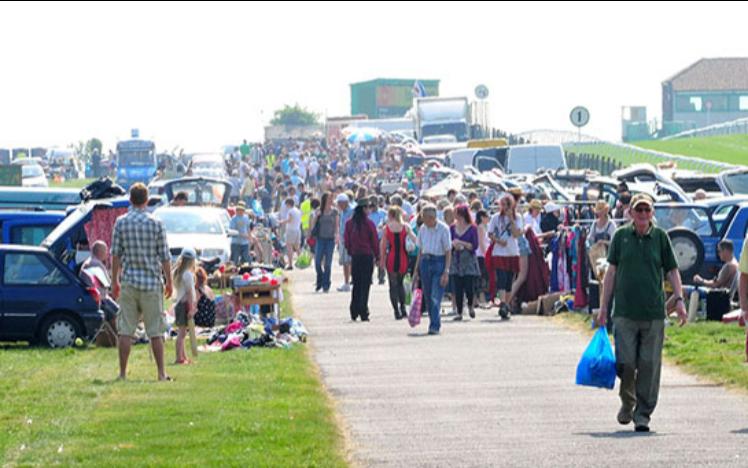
<point x="71" y="183"/>
<point x="263" y="407"/>
<point x="729" y="148"/>
<point x="712" y="350"/>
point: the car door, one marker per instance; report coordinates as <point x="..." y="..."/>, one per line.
<point x="31" y="282"/>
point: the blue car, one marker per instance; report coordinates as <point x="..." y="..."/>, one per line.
<point x="42" y="300"/>
<point x="695" y="229"/>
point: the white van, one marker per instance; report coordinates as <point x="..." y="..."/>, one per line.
<point x="483" y="159"/>
<point x="528" y="159"/>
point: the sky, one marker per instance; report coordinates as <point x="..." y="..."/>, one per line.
<point x="203" y="75"/>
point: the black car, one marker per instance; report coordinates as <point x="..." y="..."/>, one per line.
<point x="42" y="300"/>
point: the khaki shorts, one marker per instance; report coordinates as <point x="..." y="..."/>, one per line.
<point x="137" y="305"/>
<point x="293" y="239"/>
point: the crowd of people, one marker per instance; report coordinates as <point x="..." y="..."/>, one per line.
<point x="480" y="251"/>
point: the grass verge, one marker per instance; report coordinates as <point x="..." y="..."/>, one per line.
<point x="263" y="407"/>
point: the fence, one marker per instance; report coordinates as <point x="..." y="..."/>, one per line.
<point x="595" y="162"/>
<point x="734" y="127"/>
<point x="626" y="155"/>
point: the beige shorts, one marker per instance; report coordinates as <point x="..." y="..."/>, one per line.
<point x="293" y="239"/>
<point x="137" y="305"/>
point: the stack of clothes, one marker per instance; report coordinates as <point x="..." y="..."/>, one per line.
<point x="250" y="330"/>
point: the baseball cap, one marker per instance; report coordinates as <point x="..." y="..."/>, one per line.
<point x="342" y="198"/>
<point x="188" y="252"/>
<point x="640" y="198"/>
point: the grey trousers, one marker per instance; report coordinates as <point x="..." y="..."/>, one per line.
<point x="638" y="364"/>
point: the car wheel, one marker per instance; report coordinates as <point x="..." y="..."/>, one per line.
<point x="59" y="331"/>
<point x="689" y="251"/>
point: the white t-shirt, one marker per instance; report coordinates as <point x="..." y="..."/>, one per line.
<point x="294" y="220"/>
<point x="313" y="168"/>
<point x="534" y="223"/>
<point x="186" y="287"/>
<point x="499" y="226"/>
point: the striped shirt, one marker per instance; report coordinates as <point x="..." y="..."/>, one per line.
<point x="434" y="241"/>
<point x="139" y="240"/>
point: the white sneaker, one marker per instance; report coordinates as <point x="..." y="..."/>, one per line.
<point x="344" y="288"/>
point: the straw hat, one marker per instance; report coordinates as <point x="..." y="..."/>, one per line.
<point x="601" y="206"/>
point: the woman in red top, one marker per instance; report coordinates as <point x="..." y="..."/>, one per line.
<point x="394" y="257"/>
<point x="360" y="238"/>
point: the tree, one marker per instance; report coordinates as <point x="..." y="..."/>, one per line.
<point x="294" y="115"/>
<point x="86" y="150"/>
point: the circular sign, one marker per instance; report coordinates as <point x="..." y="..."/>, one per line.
<point x="579" y="116"/>
<point x="481" y="91"/>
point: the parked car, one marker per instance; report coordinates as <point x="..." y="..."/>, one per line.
<point x="43" y="301"/>
<point x="695" y="229"/>
<point x="203" y="229"/>
<point x="32" y="174"/>
<point x="25" y="198"/>
<point x="529" y="159"/>
<point x="734" y="181"/>
<point x="209" y="165"/>
<point x="27" y="227"/>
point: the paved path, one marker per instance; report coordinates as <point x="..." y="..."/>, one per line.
<point x="492" y="393"/>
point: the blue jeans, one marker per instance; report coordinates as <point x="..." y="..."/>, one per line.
<point x="430" y="272"/>
<point x="323" y="251"/>
<point x="240" y="254"/>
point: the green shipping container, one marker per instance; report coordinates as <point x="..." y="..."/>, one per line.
<point x="387" y="98"/>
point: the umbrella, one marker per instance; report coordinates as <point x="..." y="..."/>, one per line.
<point x="363" y="135"/>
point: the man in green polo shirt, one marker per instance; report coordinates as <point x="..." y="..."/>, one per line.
<point x="640" y="255"/>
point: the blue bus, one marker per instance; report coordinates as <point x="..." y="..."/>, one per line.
<point x="136" y="162"/>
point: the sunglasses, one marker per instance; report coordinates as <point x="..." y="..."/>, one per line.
<point x="643" y="209"/>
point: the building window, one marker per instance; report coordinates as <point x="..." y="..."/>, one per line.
<point x="743" y="103"/>
<point x="688" y="103"/>
<point x="695" y="103"/>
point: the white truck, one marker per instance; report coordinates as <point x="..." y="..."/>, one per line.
<point x="442" y="116"/>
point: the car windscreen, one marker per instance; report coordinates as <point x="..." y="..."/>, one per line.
<point x="201" y="193"/>
<point x="137" y="158"/>
<point x="692" y="218"/>
<point x="459" y="130"/>
<point x="737" y="183"/>
<point x="186" y="221"/>
<point x="31" y="170"/>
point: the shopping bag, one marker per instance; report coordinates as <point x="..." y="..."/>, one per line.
<point x="414" y="317"/>
<point x="408" y="285"/>
<point x="304" y="260"/>
<point x="597" y="368"/>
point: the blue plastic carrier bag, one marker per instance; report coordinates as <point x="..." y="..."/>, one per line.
<point x="597" y="368"/>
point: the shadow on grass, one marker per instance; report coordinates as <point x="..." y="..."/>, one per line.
<point x="618" y="434"/>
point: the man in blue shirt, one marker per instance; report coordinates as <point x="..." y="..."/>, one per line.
<point x="240" y="243"/>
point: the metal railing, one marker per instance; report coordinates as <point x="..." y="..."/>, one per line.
<point x="734" y="127"/>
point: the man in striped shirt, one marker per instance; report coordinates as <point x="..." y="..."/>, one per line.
<point x="140" y="262"/>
